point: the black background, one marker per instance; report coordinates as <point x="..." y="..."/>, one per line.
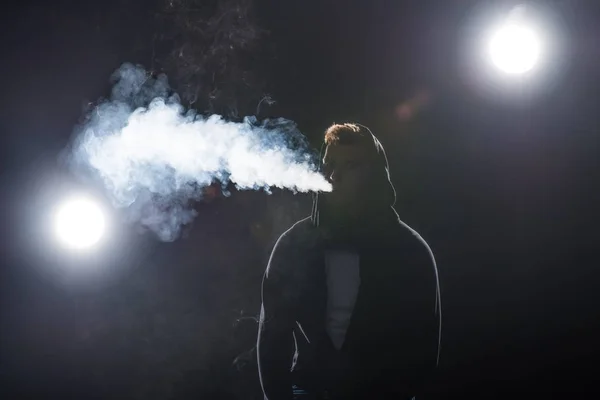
<point x="503" y="189"/>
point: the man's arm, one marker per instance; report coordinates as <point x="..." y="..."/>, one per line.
<point x="433" y="319"/>
<point x="275" y="343"/>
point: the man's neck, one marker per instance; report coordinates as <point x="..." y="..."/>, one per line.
<point x="356" y="231"/>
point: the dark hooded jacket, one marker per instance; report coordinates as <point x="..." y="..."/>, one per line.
<point x="392" y="344"/>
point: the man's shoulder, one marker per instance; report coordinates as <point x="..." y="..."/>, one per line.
<point x="414" y="245"/>
<point x="292" y="245"/>
<point x="299" y="233"/>
<point x="411" y="236"/>
<point x="423" y="256"/>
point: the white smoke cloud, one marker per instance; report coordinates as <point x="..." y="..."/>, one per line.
<point x="152" y="156"/>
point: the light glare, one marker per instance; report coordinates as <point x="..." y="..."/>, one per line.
<point x="515" y="48"/>
<point x="80" y="223"/>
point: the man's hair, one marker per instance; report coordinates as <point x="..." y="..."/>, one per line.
<point x="346" y="134"/>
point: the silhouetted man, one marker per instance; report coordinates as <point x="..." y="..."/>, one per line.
<point x="350" y="298"/>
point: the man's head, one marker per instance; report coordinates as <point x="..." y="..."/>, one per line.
<point x="356" y="166"/>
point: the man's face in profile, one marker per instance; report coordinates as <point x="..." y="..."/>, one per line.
<point x="349" y="168"/>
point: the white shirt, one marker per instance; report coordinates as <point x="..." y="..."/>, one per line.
<point x="343" y="280"/>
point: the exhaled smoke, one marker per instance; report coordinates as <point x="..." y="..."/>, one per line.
<point x="153" y="156"/>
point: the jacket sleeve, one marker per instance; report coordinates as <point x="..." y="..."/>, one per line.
<point x="433" y="319"/>
<point x="428" y="307"/>
<point x="275" y="344"/>
<point x="426" y="262"/>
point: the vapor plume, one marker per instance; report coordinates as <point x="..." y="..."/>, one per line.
<point x="152" y="156"/>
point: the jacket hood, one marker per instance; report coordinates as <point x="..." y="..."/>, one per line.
<point x="385" y="189"/>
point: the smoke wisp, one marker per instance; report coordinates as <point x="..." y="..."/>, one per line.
<point x="152" y="156"/>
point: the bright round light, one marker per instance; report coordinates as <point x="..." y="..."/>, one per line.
<point x="515" y="48"/>
<point x="80" y="223"/>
